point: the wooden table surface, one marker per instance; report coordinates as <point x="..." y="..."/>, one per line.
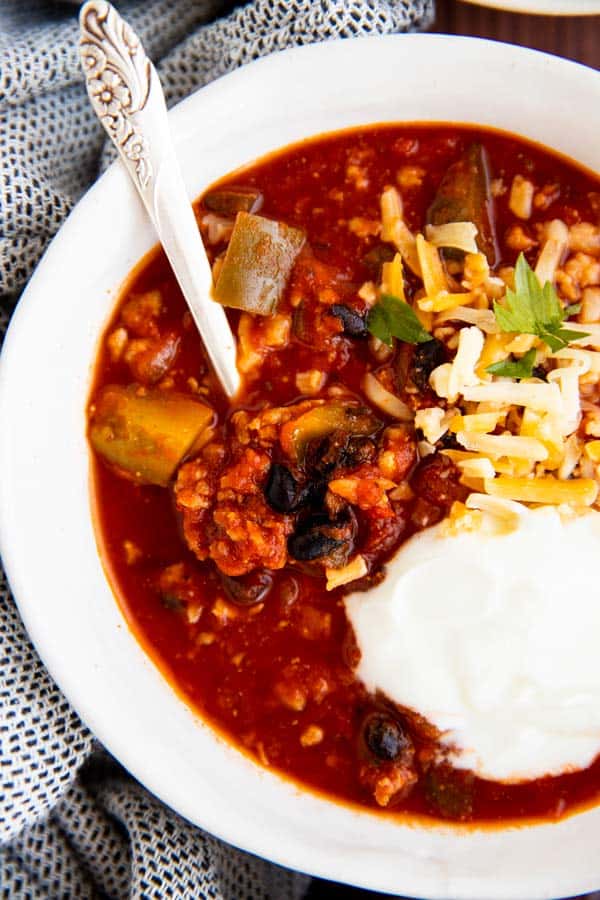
<point x="575" y="37"/>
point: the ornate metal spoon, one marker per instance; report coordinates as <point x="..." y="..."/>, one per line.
<point x="127" y="96"/>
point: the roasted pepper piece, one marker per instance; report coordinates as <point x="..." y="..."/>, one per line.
<point x="231" y="200"/>
<point x="464" y="195"/>
<point x="323" y="421"/>
<point x="257" y="264"/>
<point x="145" y="432"/>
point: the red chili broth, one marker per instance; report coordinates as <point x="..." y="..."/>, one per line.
<point x="237" y="700"/>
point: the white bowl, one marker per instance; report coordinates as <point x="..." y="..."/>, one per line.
<point x="46" y="532"/>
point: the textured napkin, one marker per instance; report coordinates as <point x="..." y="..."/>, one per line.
<point x="73" y="823"/>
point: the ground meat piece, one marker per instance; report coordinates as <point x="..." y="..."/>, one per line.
<point x="389" y="782"/>
<point x="383" y="534"/>
<point x="437" y="481"/>
<point x="246" y="533"/>
<point x="398" y="454"/>
<point x="366" y="488"/>
<point x="303" y="683"/>
<point x="262" y="428"/>
<point x="195" y="490"/>
<point x="225" y="516"/>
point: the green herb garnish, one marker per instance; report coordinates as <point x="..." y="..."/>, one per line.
<point x="533" y="309"/>
<point x="515" y="368"/>
<point x="393" y="318"/>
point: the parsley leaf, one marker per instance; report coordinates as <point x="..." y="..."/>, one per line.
<point x="516" y="368"/>
<point x="392" y="317"/>
<point x="533" y="309"/>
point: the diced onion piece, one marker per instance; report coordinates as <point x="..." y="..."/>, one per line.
<point x="311" y="381"/>
<point x="579" y="491"/>
<point x="482" y="318"/>
<point x="481" y="423"/>
<point x="462" y="374"/>
<point x="497" y="445"/>
<point x="520" y="201"/>
<point x="541" y="397"/>
<point x="356" y="568"/>
<point x="368" y="293"/>
<point x="218" y="228"/>
<point x="433" y="422"/>
<point x="432" y="271"/>
<point x="556" y="245"/>
<point x="386" y="401"/>
<point x="459" y="235"/>
<point x="392" y="278"/>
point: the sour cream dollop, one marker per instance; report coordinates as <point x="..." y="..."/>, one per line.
<point x="495" y="639"/>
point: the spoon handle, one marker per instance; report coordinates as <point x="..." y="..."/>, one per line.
<point x="127" y="97"/>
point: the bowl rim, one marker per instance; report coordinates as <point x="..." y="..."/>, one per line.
<point x="547" y="7"/>
<point x="431" y="876"/>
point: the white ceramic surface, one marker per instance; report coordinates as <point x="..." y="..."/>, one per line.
<point x="544" y="7"/>
<point x="46" y="534"/>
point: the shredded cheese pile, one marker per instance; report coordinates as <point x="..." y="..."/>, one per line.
<point x="532" y="440"/>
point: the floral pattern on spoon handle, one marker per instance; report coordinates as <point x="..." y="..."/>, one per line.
<point x="118" y="76"/>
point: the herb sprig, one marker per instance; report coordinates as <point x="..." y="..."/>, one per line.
<point x="393" y="318"/>
<point x="533" y="309"/>
<point x="515" y="368"/>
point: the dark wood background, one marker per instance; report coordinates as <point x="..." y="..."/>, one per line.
<point x="576" y="37"/>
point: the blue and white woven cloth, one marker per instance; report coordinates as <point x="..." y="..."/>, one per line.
<point x="73" y="824"/>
